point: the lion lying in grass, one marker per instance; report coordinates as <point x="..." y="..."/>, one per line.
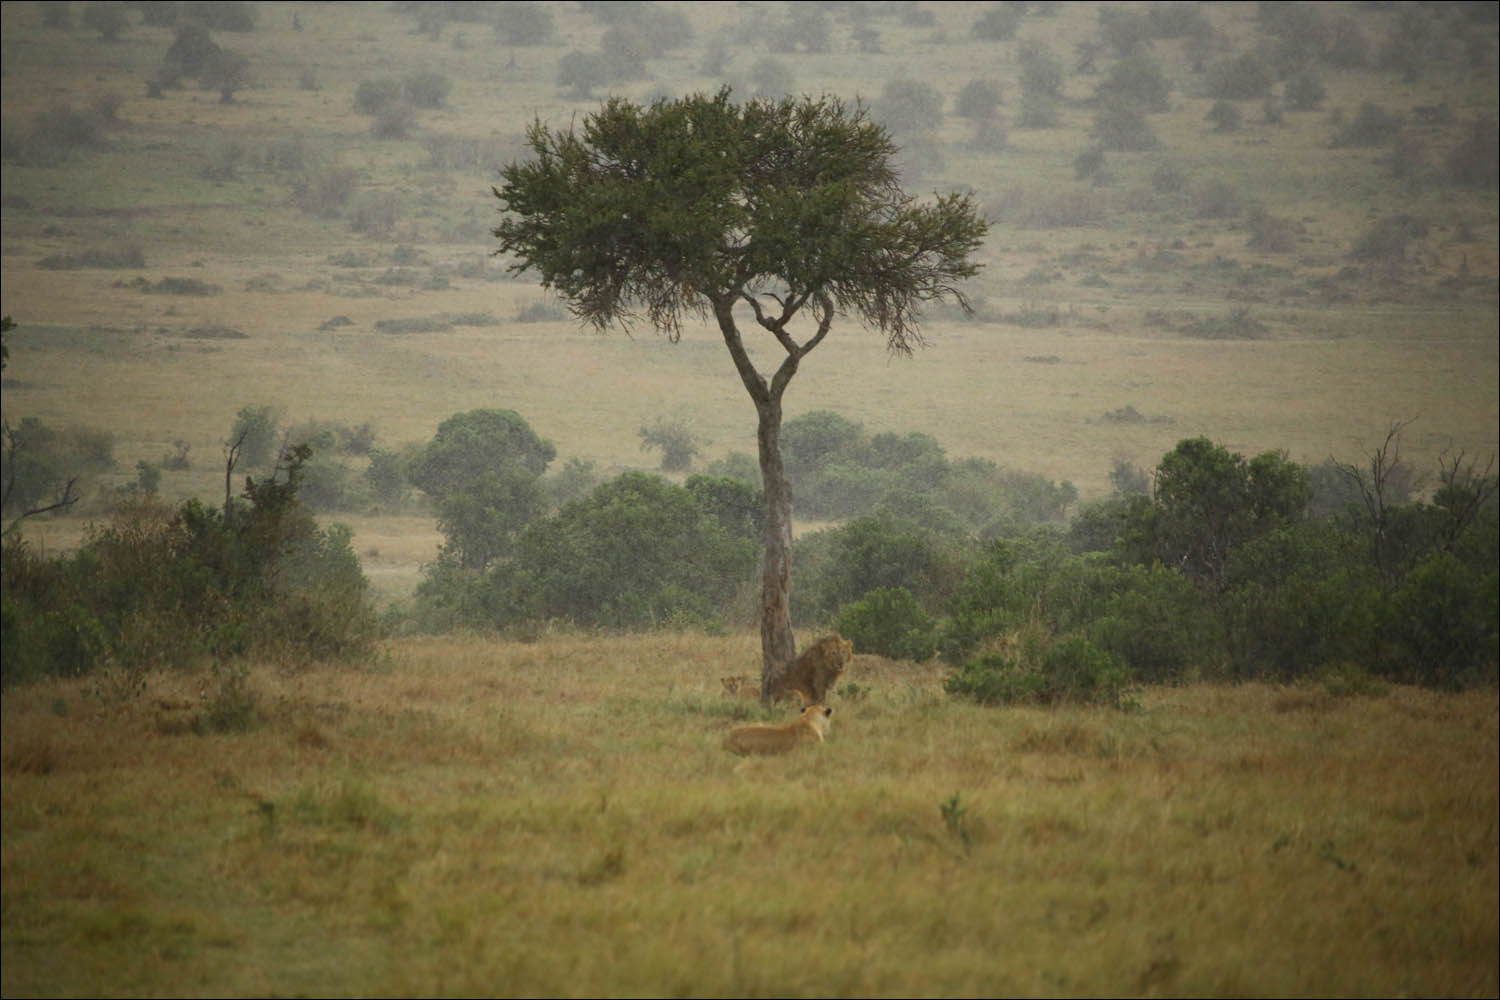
<point x="764" y="738"/>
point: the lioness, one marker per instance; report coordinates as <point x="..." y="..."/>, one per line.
<point x="765" y="738"/>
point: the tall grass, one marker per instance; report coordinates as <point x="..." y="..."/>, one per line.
<point x="470" y="816"/>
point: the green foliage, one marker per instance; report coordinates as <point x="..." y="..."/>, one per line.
<point x="159" y="588"/>
<point x="999" y="23"/>
<point x="373" y="96"/>
<point x="1071" y="671"/>
<point x="1225" y="116"/>
<point x="1208" y="500"/>
<point x="478" y="443"/>
<point x="1475" y="161"/>
<point x="1243" y="77"/>
<point x="1041" y="73"/>
<point x="888" y="621"/>
<point x="1444" y="617"/>
<point x="842" y="565"/>
<point x="1137" y="83"/>
<point x="910" y="109"/>
<point x="1305" y="92"/>
<point x="40" y="466"/>
<point x="675" y="440"/>
<point x="738" y="505"/>
<point x="522" y="22"/>
<point x="427" y="89"/>
<point x="1387" y="239"/>
<point x="1122" y="128"/>
<point x="637" y="552"/>
<point x="978" y="100"/>
<point x="677" y="206"/>
<point x="1373" y="125"/>
<point x="255" y="434"/>
<point x="109" y="19"/>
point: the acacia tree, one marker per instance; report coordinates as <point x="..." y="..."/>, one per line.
<point x="785" y="212"/>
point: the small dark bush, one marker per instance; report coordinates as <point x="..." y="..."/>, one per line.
<point x="1476" y="160"/>
<point x="427" y="90"/>
<point x="1225" y="117"/>
<point x="1387" y="239"/>
<point x="999" y="23"/>
<point x="373" y="96"/>
<point x="1305" y="92"/>
<point x="416" y="324"/>
<point x="1240" y="78"/>
<point x="1123" y="129"/>
<point x="521" y="22"/>
<point x="1372" y="126"/>
<point x="978" y="99"/>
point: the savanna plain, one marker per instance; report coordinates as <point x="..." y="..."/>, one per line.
<point x="475" y="814"/>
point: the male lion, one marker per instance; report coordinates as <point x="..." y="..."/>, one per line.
<point x="765" y="738"/>
<point x="815" y="671"/>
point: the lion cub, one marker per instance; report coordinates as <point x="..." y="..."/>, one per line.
<point x="761" y="737"/>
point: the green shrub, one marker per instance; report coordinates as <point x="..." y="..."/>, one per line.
<point x="427" y="89"/>
<point x="1072" y="671"/>
<point x="889" y="622"/>
<point x="372" y="97"/>
<point x="1372" y="126"/>
<point x="1240" y="78"/>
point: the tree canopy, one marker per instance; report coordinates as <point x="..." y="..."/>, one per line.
<point x="687" y="204"/>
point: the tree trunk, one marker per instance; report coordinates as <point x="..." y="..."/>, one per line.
<point x="777" y="644"/>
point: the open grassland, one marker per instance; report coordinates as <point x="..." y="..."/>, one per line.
<point x="477" y="817"/>
<point x="1087" y="289"/>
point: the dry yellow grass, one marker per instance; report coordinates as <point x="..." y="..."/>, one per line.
<point x="472" y="816"/>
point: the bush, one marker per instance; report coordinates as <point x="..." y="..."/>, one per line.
<point x="255" y="431"/>
<point x="156" y="588"/>
<point x="675" y="441"/>
<point x="978" y="100"/>
<point x="325" y="192"/>
<point x="910" y="109"/>
<point x="38" y="463"/>
<point x="637" y="552"/>
<point x="1159" y="625"/>
<point x="522" y="22"/>
<point x="999" y="23"/>
<point x="580" y="72"/>
<point x="1305" y="92"/>
<point x="889" y="622"/>
<point x="427" y="90"/>
<point x="1136" y="82"/>
<point x="373" y="96"/>
<point x="108" y="19"/>
<point x="1476" y="160"/>
<point x="1123" y="129"/>
<point x="1387" y="240"/>
<point x="1240" y="78"/>
<point x="1271" y="234"/>
<point x="1225" y="116"/>
<point x="1073" y="671"/>
<point x="1372" y="126"/>
<point x="1041" y="73"/>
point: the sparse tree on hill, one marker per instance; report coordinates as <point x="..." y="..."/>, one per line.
<point x="785" y="213"/>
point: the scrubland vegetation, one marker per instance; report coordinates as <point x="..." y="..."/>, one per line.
<point x="364" y="617"/>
